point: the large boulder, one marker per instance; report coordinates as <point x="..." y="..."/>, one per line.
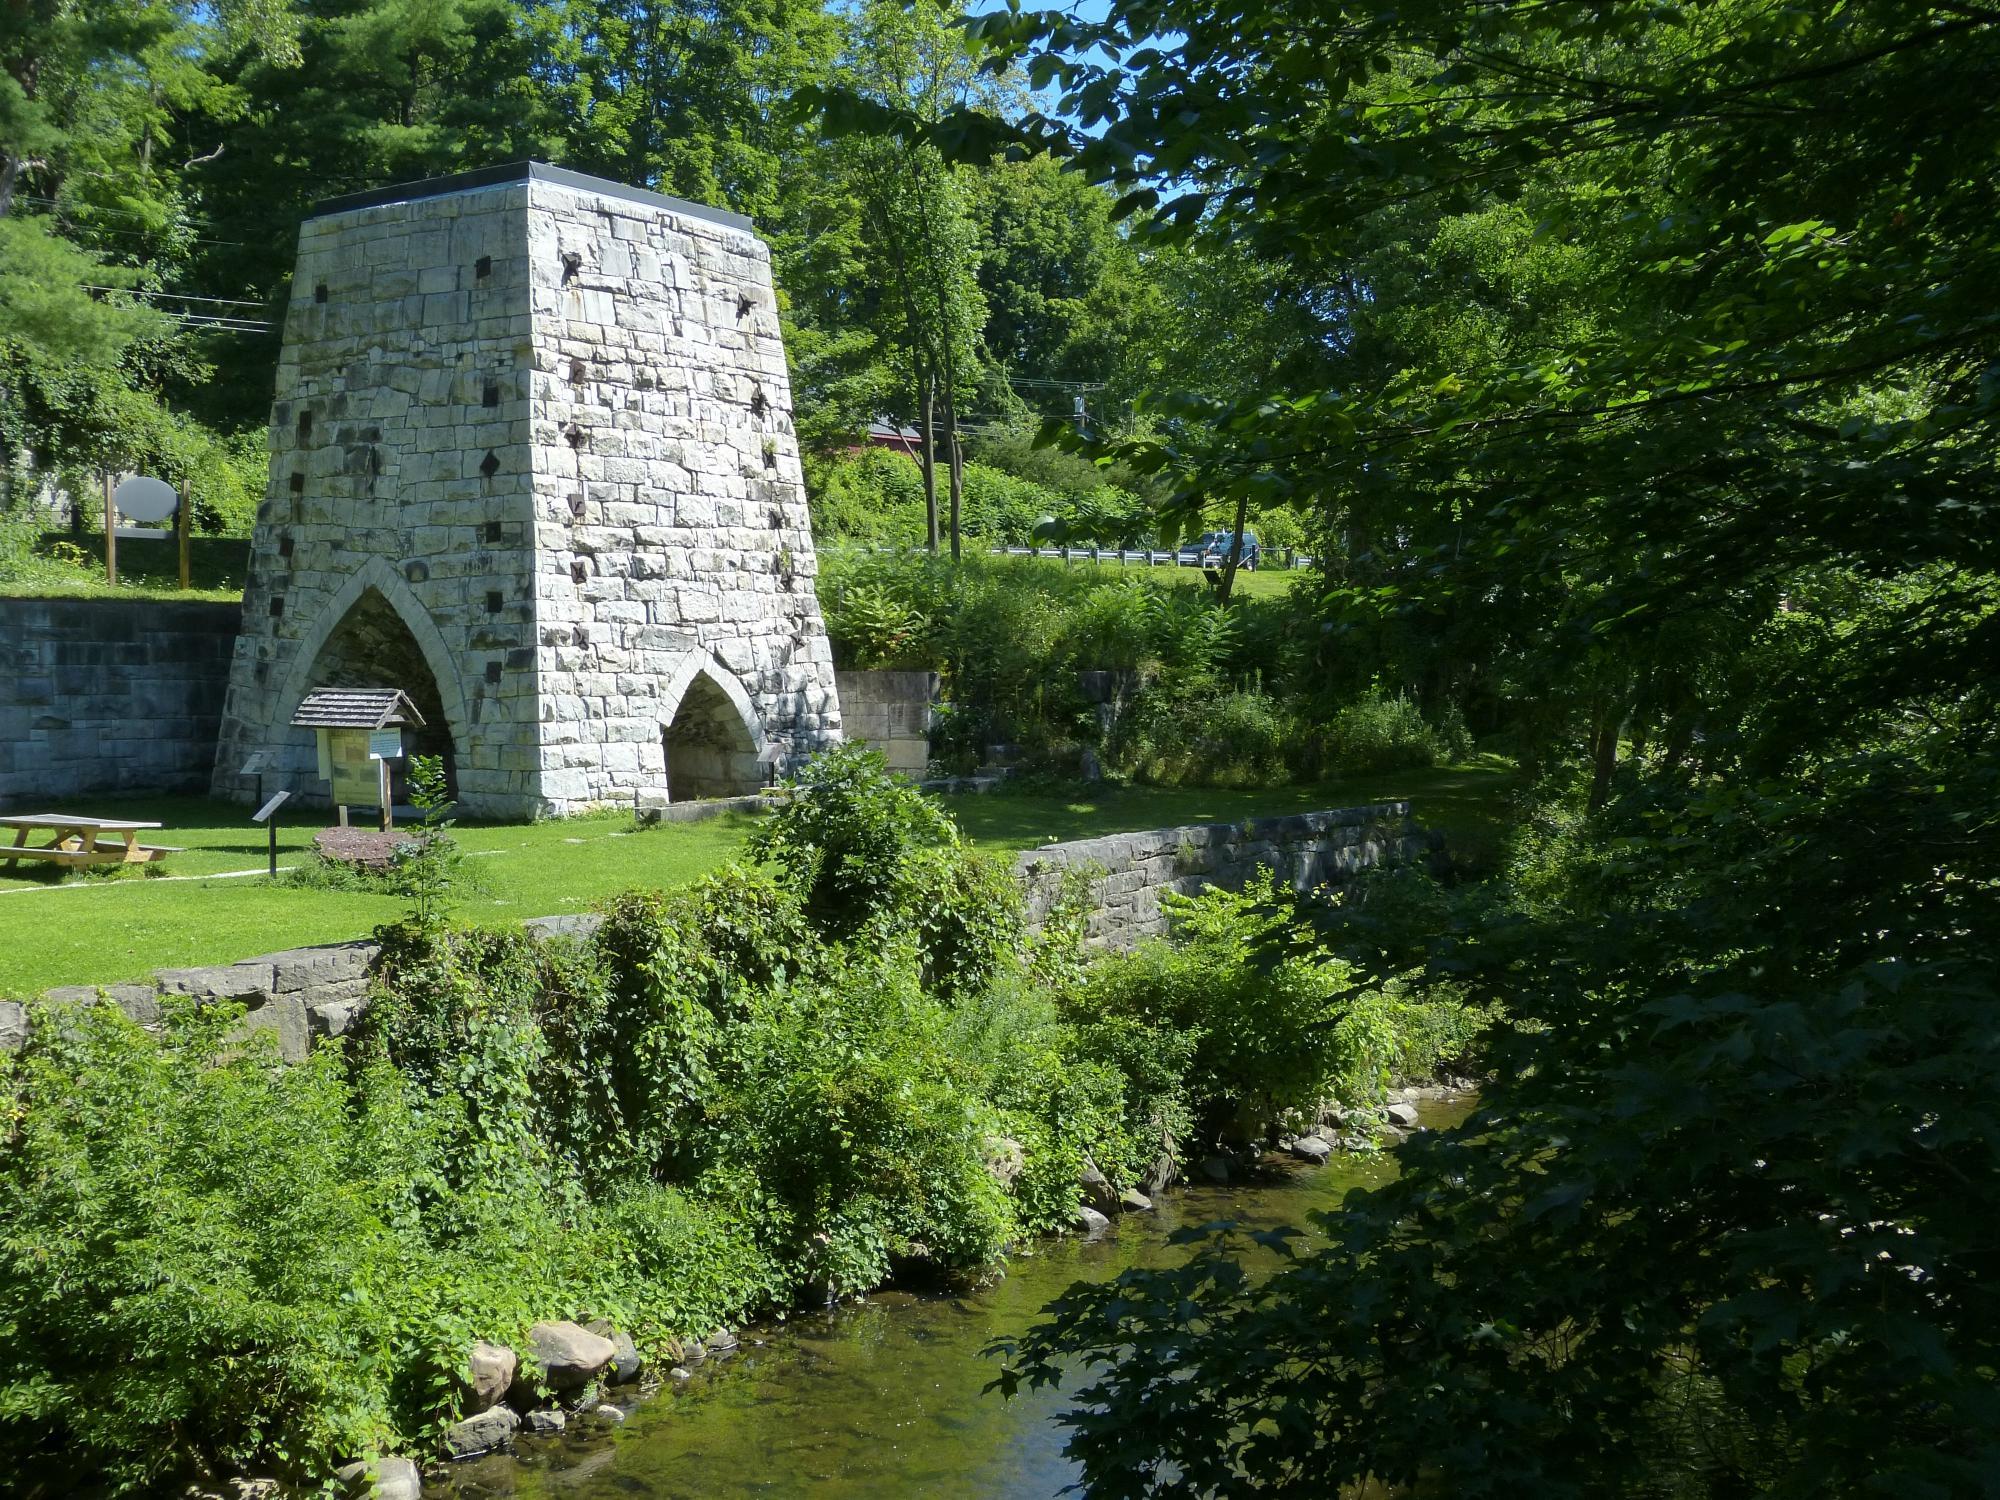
<point x="1311" y="1148"/>
<point x="1097" y="1190"/>
<point x="480" y="1434"/>
<point x="1090" y="1221"/>
<point x="489" y="1371"/>
<point x="568" y="1356"/>
<point x="625" y="1363"/>
<point x="1132" y="1201"/>
<point x="1401" y="1113"/>
<point x="380" y="1479"/>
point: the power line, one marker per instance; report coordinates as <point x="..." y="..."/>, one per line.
<point x="1067" y="385"/>
<point x="176" y="296"/>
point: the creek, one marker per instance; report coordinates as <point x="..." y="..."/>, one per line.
<point x="884" y="1398"/>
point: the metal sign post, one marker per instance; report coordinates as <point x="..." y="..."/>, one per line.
<point x="268" y="816"/>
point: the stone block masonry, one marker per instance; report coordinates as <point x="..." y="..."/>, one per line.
<point x="305" y="995"/>
<point x="891" y="711"/>
<point x="108" y="696"/>
<point x="1129" y="872"/>
<point x="532" y="460"/>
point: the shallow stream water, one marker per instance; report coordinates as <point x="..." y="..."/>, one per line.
<point x="884" y="1398"/>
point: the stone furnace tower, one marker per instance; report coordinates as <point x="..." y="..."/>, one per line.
<point x="532" y="461"/>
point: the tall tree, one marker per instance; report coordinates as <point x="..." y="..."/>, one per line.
<point x="1662" y="352"/>
<point x="923" y="243"/>
<point x="104" y="112"/>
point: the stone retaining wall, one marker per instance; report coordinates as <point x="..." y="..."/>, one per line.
<point x="303" y="995"/>
<point x="892" y="712"/>
<point x="1130" y="871"/>
<point x="102" y="696"/>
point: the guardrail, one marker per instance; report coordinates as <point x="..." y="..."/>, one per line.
<point x="1150" y="557"/>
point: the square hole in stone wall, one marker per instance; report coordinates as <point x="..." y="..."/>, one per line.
<point x="489" y="466"/>
<point x="489" y="393"/>
<point x="495" y="601"/>
<point x="493" y="531"/>
<point x="493" y="671"/>
<point x="305" y="425"/>
<point x="277" y="606"/>
<point x="483" y="267"/>
<point x="298" y="483"/>
<point x="284" y="546"/>
<point x="578" y="572"/>
<point x="319" y="292"/>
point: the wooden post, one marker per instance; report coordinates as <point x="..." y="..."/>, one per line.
<point x="110" y="533"/>
<point x="183" y="523"/>
<point x="388" y="815"/>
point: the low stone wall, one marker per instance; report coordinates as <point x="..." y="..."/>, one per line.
<point x="303" y="995"/>
<point x="100" y="696"/>
<point x="892" y="712"/>
<point x="1129" y="872"/>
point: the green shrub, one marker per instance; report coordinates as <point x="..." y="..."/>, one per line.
<point x="1243" y="1014"/>
<point x="847" y="1131"/>
<point x="773" y="1085"/>
<point x="845" y="834"/>
<point x="876" y="629"/>
<point x="874" y="496"/>
<point x="192" y="1238"/>
<point x="1200" y="735"/>
<point x="1387" y="732"/>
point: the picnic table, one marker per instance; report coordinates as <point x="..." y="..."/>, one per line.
<point x="78" y="840"/>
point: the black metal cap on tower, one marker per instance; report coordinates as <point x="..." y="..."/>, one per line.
<point x="523" y="171"/>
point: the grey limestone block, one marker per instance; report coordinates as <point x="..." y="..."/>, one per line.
<point x="287" y="1020"/>
<point x="244" y="981"/>
<point x="294" y="969"/>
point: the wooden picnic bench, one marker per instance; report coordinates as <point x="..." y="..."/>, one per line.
<point x="80" y="841"/>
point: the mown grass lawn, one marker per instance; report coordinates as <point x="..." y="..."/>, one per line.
<point x="201" y="908"/>
<point x="150" y="569"/>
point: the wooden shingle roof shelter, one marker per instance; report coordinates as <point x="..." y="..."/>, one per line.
<point x="356" y="708"/>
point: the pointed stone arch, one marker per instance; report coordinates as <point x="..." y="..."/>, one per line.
<point x="710" y="732"/>
<point x="376" y="579"/>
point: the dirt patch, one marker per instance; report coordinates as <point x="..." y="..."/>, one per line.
<point x="364" y="848"/>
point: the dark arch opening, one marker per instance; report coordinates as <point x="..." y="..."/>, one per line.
<point x="710" y="750"/>
<point x="372" y="647"/>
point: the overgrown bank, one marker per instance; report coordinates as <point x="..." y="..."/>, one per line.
<point x="778" y="1086"/>
<point x="1258" y="694"/>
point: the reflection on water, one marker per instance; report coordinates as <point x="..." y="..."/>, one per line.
<point x="885" y="1398"/>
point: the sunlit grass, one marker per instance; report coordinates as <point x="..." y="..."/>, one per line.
<point x="96" y="929"/>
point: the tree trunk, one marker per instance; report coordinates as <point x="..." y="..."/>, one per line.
<point x="954" y="459"/>
<point x="1231" y="557"/>
<point x="927" y="438"/>
<point x="1604" y="757"/>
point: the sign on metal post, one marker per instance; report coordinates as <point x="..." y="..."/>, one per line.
<point x="268" y="816"/>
